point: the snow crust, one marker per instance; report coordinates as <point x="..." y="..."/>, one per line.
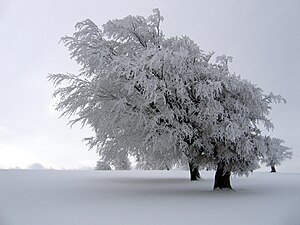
<point x="48" y="197"/>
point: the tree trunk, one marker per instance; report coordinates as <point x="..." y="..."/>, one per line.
<point x="222" y="178"/>
<point x="194" y="171"/>
<point x="273" y="170"/>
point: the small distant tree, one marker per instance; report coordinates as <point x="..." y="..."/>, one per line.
<point x="276" y="152"/>
<point x="121" y="161"/>
<point x="155" y="160"/>
<point x="101" y="165"/>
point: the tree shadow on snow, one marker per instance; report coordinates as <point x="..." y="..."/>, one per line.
<point x="141" y="186"/>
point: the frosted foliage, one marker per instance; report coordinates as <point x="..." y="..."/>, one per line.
<point x="276" y="152"/>
<point x="159" y="98"/>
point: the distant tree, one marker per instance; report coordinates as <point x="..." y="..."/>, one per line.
<point x="154" y="161"/>
<point x="276" y="152"/>
<point x="159" y="99"/>
<point x="101" y="165"/>
<point x="36" y="166"/>
<point x="121" y="161"/>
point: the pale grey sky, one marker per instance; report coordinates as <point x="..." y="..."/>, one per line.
<point x="262" y="36"/>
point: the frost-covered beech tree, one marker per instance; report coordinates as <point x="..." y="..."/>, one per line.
<point x="276" y="152"/>
<point x="161" y="99"/>
<point x="237" y="144"/>
<point x="139" y="91"/>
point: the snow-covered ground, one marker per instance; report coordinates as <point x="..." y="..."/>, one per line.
<point x="51" y="197"/>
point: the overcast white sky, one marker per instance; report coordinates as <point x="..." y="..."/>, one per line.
<point x="262" y="36"/>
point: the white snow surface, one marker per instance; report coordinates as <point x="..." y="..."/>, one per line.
<point x="51" y="197"/>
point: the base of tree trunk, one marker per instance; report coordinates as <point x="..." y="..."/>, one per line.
<point x="222" y="178"/>
<point x="194" y="172"/>
<point x="273" y="170"/>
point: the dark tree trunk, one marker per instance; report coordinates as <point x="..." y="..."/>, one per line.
<point x="222" y="178"/>
<point x="273" y="170"/>
<point x="194" y="171"/>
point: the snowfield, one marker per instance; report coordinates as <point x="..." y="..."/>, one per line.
<point x="51" y="197"/>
